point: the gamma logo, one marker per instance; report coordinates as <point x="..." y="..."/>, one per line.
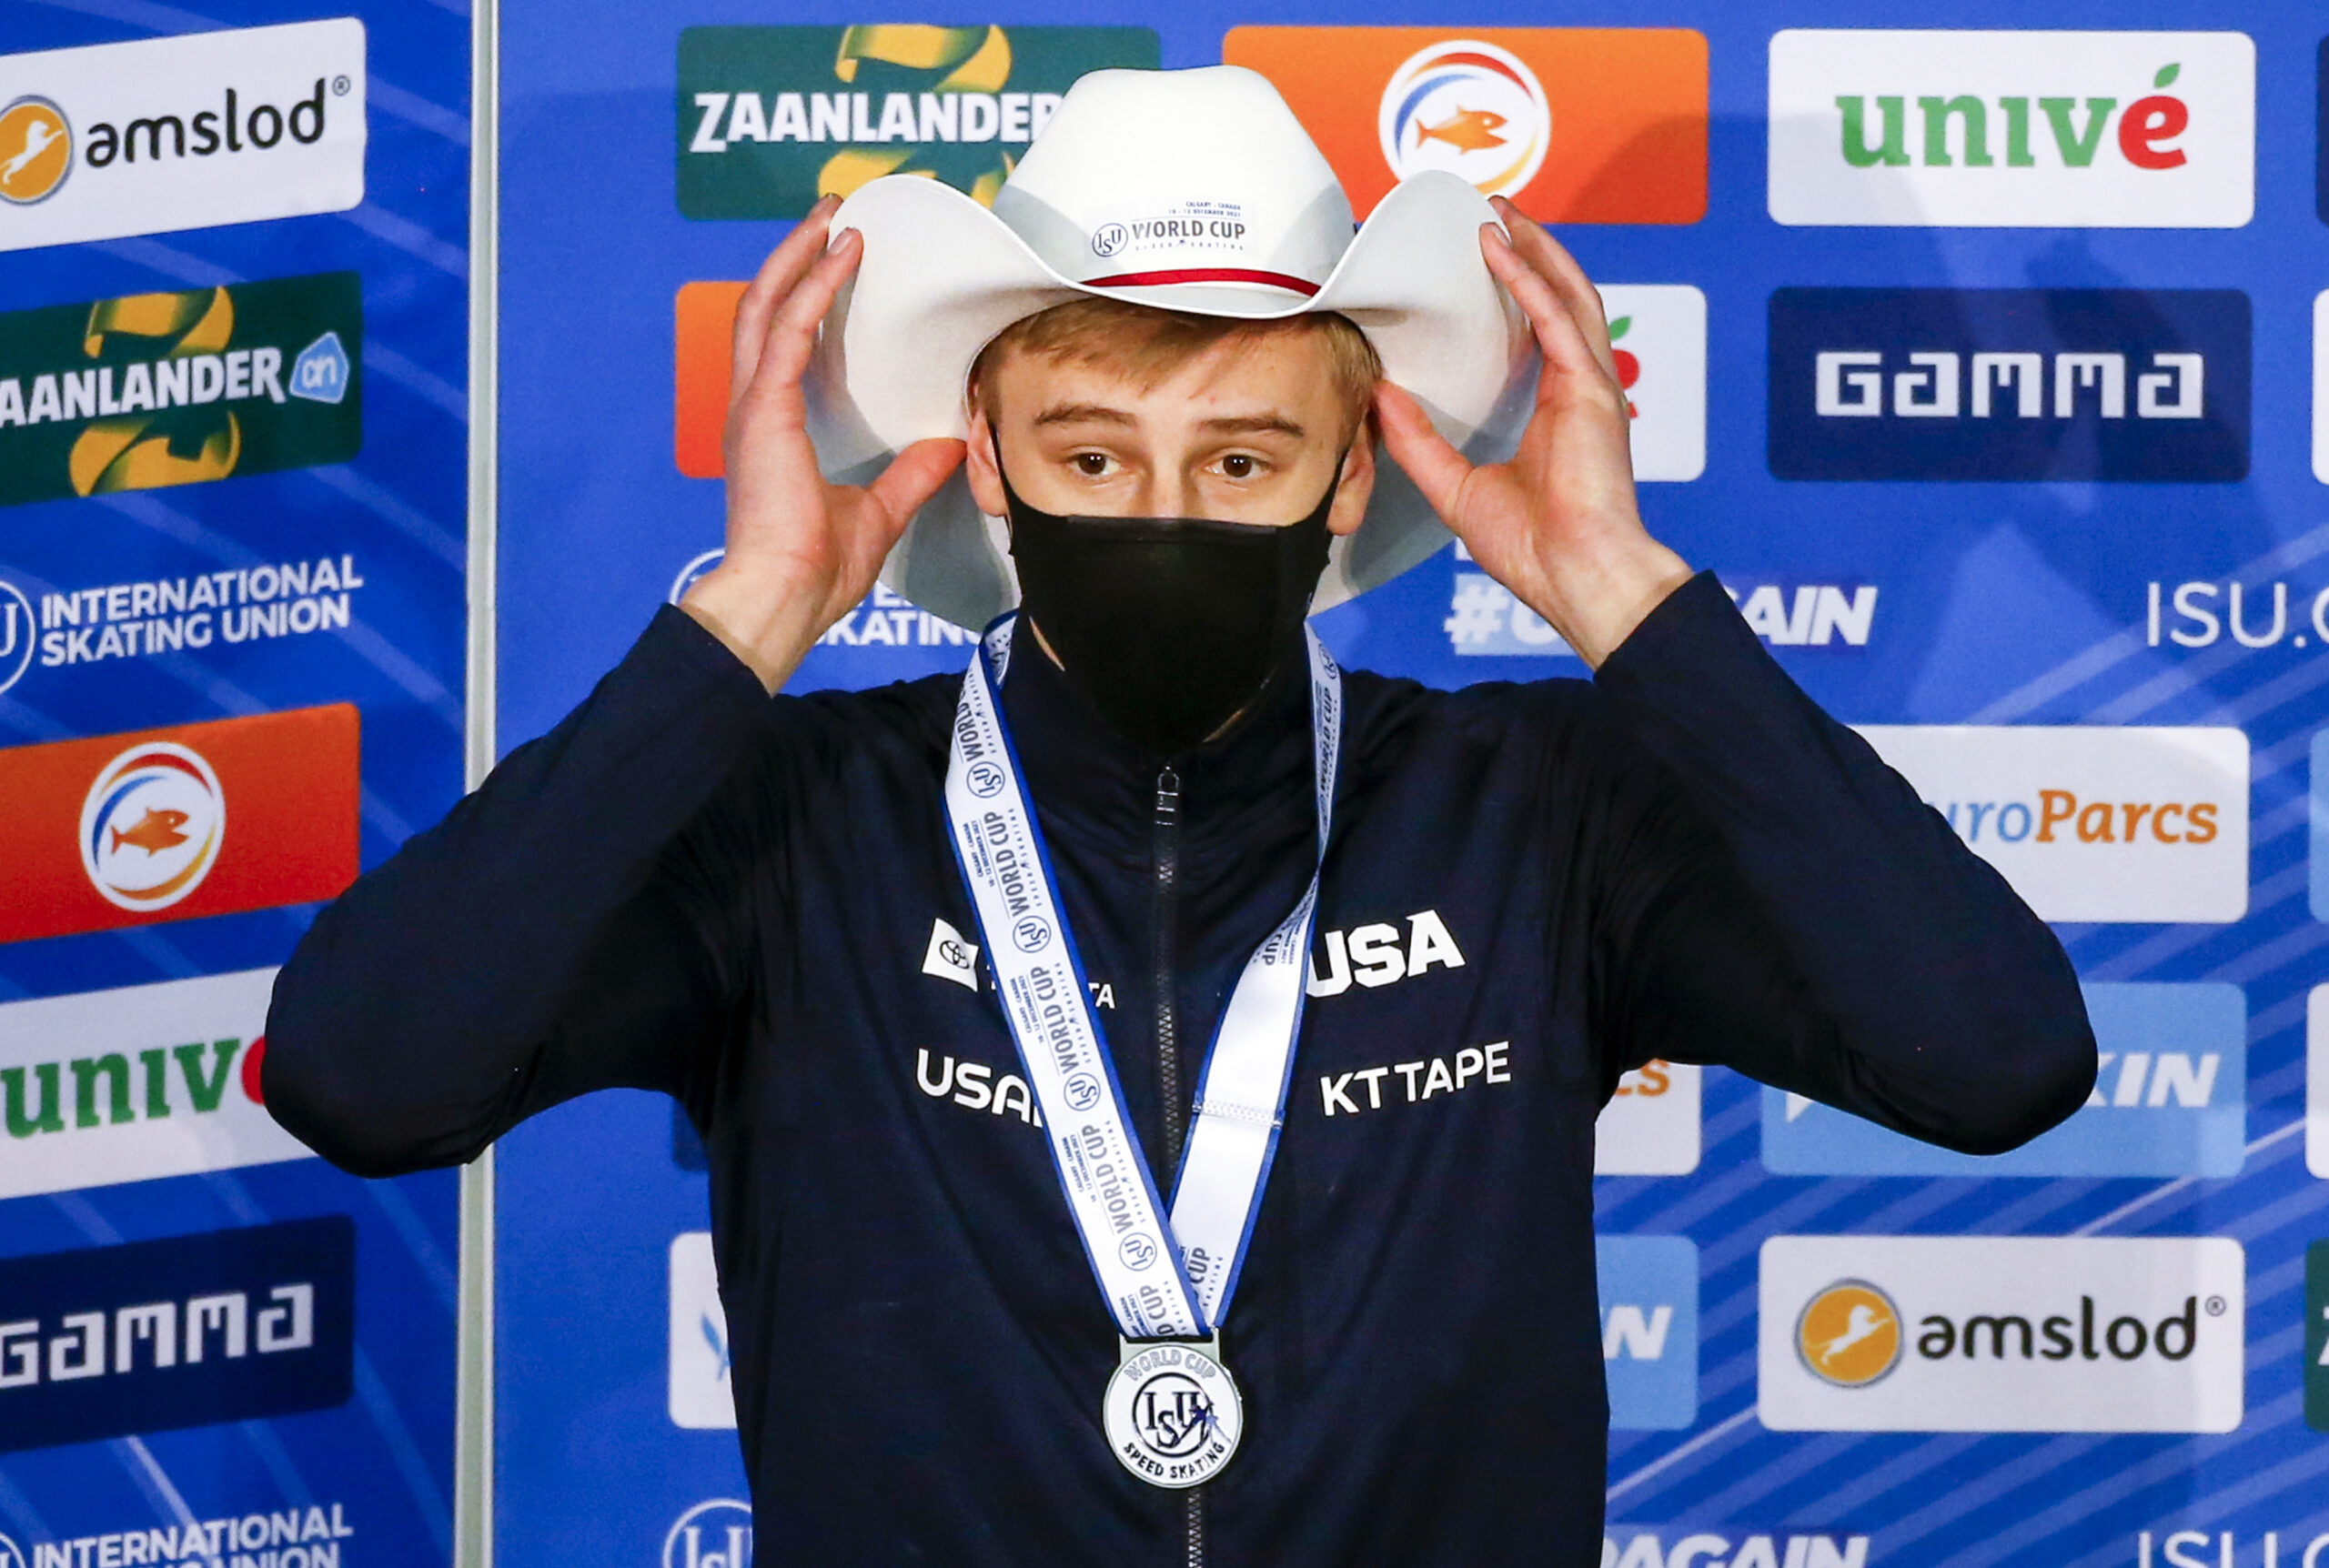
<point x="151" y="826"/>
<point x="231" y="126"/>
<point x="2009" y="383"/>
<point x="1471" y="108"/>
<point x="36" y="155"/>
<point x="1576" y="124"/>
<point x="1849" y="1334"/>
<point x="771" y="118"/>
<point x="2012" y="130"/>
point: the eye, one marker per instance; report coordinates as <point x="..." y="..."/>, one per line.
<point x="1238" y="465"/>
<point x="1091" y="464"/>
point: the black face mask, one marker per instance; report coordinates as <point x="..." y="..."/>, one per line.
<point x="1167" y="627"/>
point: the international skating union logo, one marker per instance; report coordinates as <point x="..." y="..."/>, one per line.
<point x="151" y="826"/>
<point x="1470" y="108"/>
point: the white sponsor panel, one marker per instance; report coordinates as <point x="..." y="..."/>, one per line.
<point x="185" y="132"/>
<point x="1651" y="1126"/>
<point x="702" y="1392"/>
<point x="2092" y="822"/>
<point x="132" y="1084"/>
<point x="2321" y="387"/>
<point x="2013" y="128"/>
<point x="1657" y="331"/>
<point x="2316" y="1081"/>
<point x="2002" y="1334"/>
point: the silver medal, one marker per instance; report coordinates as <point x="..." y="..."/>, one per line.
<point x="1173" y="1412"/>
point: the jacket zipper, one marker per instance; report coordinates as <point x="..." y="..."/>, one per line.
<point x="1163" y="977"/>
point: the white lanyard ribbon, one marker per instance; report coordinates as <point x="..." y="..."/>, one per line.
<point x="1159" y="1283"/>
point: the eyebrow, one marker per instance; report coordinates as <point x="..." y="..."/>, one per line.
<point x="1228" y="425"/>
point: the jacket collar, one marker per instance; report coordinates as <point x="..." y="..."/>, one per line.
<point x="1236" y="789"/>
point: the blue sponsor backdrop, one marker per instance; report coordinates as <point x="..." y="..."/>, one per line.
<point x="2021" y="600"/>
<point x="381" y="1451"/>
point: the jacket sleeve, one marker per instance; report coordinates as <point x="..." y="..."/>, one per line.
<point x="576" y="923"/>
<point x="1778" y="900"/>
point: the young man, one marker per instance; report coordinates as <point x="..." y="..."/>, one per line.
<point x="1221" y="1271"/>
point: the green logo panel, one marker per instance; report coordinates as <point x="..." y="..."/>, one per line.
<point x="160" y="389"/>
<point x="771" y="118"/>
<point x="2316" y="1336"/>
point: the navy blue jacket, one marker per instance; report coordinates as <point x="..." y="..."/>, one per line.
<point x="692" y="887"/>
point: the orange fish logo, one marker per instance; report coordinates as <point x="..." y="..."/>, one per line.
<point x="155" y="831"/>
<point x="1850" y="1334"/>
<point x="35" y="150"/>
<point x="144" y="800"/>
<point x="1465" y="130"/>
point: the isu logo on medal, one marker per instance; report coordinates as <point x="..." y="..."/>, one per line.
<point x="1173" y="1415"/>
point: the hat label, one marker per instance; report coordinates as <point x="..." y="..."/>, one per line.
<point x="1208" y="226"/>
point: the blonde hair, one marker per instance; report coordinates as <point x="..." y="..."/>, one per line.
<point x="1144" y="345"/>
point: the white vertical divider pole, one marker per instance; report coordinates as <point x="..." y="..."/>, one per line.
<point x="473" y="1407"/>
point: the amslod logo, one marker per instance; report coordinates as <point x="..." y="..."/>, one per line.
<point x="2092" y="822"/>
<point x="2013" y="128"/>
<point x="2000" y="1333"/>
<point x="2169" y="1098"/>
<point x="185" y="132"/>
<point x="2109" y="384"/>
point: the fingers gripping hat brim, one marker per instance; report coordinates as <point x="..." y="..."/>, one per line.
<point x="942" y="276"/>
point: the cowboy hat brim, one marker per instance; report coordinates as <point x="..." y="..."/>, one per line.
<point x="895" y="352"/>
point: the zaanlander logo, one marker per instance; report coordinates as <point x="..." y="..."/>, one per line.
<point x="771" y="118"/>
<point x="164" y="134"/>
<point x="1992" y="1334"/>
<point x="2093" y="822"/>
<point x="2009" y="383"/>
<point x="126" y="1085"/>
<point x="2047" y="129"/>
<point x="159" y="389"/>
<point x="2169" y="1099"/>
<point x="156" y="1335"/>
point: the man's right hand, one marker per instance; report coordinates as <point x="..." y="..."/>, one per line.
<point x="801" y="552"/>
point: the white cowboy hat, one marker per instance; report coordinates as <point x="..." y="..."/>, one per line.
<point x="1191" y="190"/>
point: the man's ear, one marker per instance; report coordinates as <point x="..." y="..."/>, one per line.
<point x="979" y="467"/>
<point x="1357" y="486"/>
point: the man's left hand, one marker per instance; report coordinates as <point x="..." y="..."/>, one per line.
<point x="1557" y="525"/>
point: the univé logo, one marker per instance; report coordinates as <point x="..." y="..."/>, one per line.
<point x="2146" y="130"/>
<point x="1576" y="124"/>
<point x="1849" y="1334"/>
<point x="35" y="150"/>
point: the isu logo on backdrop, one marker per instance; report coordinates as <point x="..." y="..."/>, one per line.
<point x="35" y="150"/>
<point x="1849" y="1334"/>
<point x="200" y="819"/>
<point x="2007" y="129"/>
<point x="2000" y="1333"/>
<point x="229" y="126"/>
<point x="1576" y="124"/>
